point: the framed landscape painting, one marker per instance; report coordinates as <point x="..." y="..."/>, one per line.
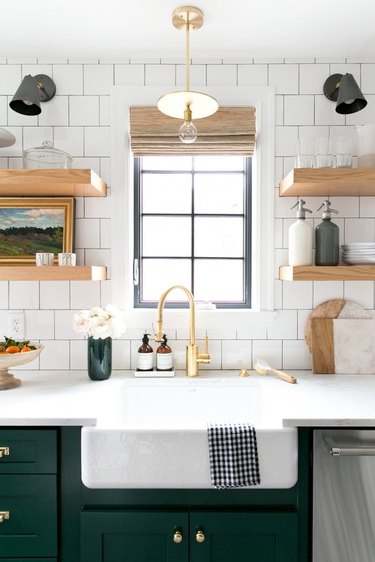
<point x="34" y="224"/>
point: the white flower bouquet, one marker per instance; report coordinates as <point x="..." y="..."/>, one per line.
<point x="99" y="323"/>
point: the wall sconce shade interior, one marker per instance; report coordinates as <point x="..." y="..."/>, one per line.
<point x="344" y="90"/>
<point x="32" y="91"/>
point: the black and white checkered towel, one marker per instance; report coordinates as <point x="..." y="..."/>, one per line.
<point x="233" y="455"/>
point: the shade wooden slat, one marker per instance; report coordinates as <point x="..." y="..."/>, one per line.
<point x="231" y="130"/>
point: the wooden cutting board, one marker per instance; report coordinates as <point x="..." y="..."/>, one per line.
<point x="343" y="345"/>
<point x="334" y="308"/>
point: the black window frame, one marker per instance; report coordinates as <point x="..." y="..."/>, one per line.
<point x="247" y="233"/>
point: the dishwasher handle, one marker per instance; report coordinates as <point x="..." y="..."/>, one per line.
<point x="336" y="450"/>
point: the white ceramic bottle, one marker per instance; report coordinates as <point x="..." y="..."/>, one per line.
<point x="301" y="238"/>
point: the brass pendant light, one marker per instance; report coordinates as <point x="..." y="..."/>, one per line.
<point x="187" y="105"/>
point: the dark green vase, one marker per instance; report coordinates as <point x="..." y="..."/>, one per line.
<point x="99" y="358"/>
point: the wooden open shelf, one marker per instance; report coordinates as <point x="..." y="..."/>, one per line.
<point x="331" y="182"/>
<point x="53" y="273"/>
<point x="49" y="183"/>
<point x="328" y="273"/>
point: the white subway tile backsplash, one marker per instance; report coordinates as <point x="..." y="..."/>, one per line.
<point x="222" y="75"/>
<point x="368" y="78"/>
<point x="198" y="75"/>
<point x="296" y="355"/>
<point x="40" y="324"/>
<point x="236" y="354"/>
<point x="312" y="78"/>
<point x="87" y="233"/>
<point x="4" y="295"/>
<point x="97" y="141"/>
<point x="160" y="75"/>
<point x="359" y="230"/>
<point x="84" y="110"/>
<point x="10" y="78"/>
<point x="54" y="295"/>
<point x="299" y="110"/>
<point x="78" y="121"/>
<point x="326" y="290"/>
<point x="129" y="75"/>
<point x="284" y="78"/>
<point x="120" y="354"/>
<point x="284" y="326"/>
<point x="24" y="294"/>
<point x="252" y="75"/>
<point x="268" y="350"/>
<point x="68" y="79"/>
<point x="361" y="292"/>
<point x="55" y="355"/>
<point x="55" y="112"/>
<point x="70" y="139"/>
<point x="298" y="294"/>
<point x="98" y="79"/>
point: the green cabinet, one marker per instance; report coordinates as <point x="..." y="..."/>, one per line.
<point x="167" y="536"/>
<point x="28" y="494"/>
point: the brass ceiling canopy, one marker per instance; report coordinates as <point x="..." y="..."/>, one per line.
<point x="187" y="104"/>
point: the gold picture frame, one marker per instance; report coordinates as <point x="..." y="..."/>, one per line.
<point x="34" y="224"/>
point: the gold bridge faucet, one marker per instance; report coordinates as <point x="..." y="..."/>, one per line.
<point x="193" y="357"/>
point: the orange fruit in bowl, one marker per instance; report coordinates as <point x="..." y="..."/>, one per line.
<point x="13" y="349"/>
<point x="25" y="348"/>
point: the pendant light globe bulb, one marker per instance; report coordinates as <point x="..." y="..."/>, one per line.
<point x="188" y="132"/>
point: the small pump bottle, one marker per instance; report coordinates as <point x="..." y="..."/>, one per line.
<point x="164" y="356"/>
<point x="301" y="238"/>
<point x="145" y="355"/>
<point x="327" y="238"/>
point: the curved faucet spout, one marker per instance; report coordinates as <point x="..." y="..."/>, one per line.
<point x="193" y="357"/>
<point x="159" y="323"/>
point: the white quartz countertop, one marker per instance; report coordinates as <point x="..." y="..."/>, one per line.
<point x="69" y="398"/>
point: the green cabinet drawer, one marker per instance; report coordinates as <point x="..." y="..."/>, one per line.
<point x="138" y="536"/>
<point x="30" y="451"/>
<point x="31" y="529"/>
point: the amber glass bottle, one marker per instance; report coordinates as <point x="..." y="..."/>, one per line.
<point x="164" y="356"/>
<point x="145" y="355"/>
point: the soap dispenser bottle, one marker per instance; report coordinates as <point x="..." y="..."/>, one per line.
<point x="145" y="355"/>
<point x="327" y="238"/>
<point x="301" y="237"/>
<point x="164" y="356"/>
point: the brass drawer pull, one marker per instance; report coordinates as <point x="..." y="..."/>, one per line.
<point x="177" y="537"/>
<point x="3" y="516"/>
<point x="4" y="451"/>
<point x="199" y="537"/>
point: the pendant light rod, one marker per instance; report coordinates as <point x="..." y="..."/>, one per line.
<point x="187" y="55"/>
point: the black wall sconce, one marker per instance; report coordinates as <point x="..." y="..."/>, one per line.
<point x="32" y="91"/>
<point x="343" y="89"/>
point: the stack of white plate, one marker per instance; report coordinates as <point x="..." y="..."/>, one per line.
<point x="358" y="253"/>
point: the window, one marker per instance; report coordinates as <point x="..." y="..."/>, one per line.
<point x="192" y="227"/>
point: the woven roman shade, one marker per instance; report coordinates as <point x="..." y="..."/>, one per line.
<point x="231" y="130"/>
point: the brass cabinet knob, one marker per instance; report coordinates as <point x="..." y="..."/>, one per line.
<point x="3" y="516"/>
<point x="4" y="451"/>
<point x="177" y="537"/>
<point x="199" y="537"/>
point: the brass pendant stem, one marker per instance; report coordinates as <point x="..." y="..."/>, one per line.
<point x="187" y="54"/>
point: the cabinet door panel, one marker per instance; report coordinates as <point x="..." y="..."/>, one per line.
<point x="244" y="537"/>
<point x="30" y="451"/>
<point x="31" y="529"/>
<point x="133" y="536"/>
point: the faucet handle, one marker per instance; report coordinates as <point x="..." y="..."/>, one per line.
<point x="206" y="356"/>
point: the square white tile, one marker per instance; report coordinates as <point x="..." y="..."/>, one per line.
<point x="68" y="79"/>
<point x="24" y="294"/>
<point x="84" y="110"/>
<point x="284" y="78"/>
<point x="84" y="294"/>
<point x="299" y="110"/>
<point x="98" y="141"/>
<point x="221" y="75"/>
<point x="87" y="233"/>
<point x="296" y="355"/>
<point x="98" y="79"/>
<point x="54" y="294"/>
<point x="55" y="112"/>
<point x="270" y="351"/>
<point x="252" y="75"/>
<point x="55" y="355"/>
<point x="312" y="78"/>
<point x="236" y="354"/>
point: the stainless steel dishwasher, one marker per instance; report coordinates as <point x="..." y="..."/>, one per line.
<point x="344" y="496"/>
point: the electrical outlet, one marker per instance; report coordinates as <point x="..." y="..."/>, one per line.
<point x="16" y="325"/>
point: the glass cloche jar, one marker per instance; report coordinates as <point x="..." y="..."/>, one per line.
<point x="46" y="156"/>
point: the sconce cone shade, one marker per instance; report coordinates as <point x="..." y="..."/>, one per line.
<point x="345" y="91"/>
<point x="32" y="91"/>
